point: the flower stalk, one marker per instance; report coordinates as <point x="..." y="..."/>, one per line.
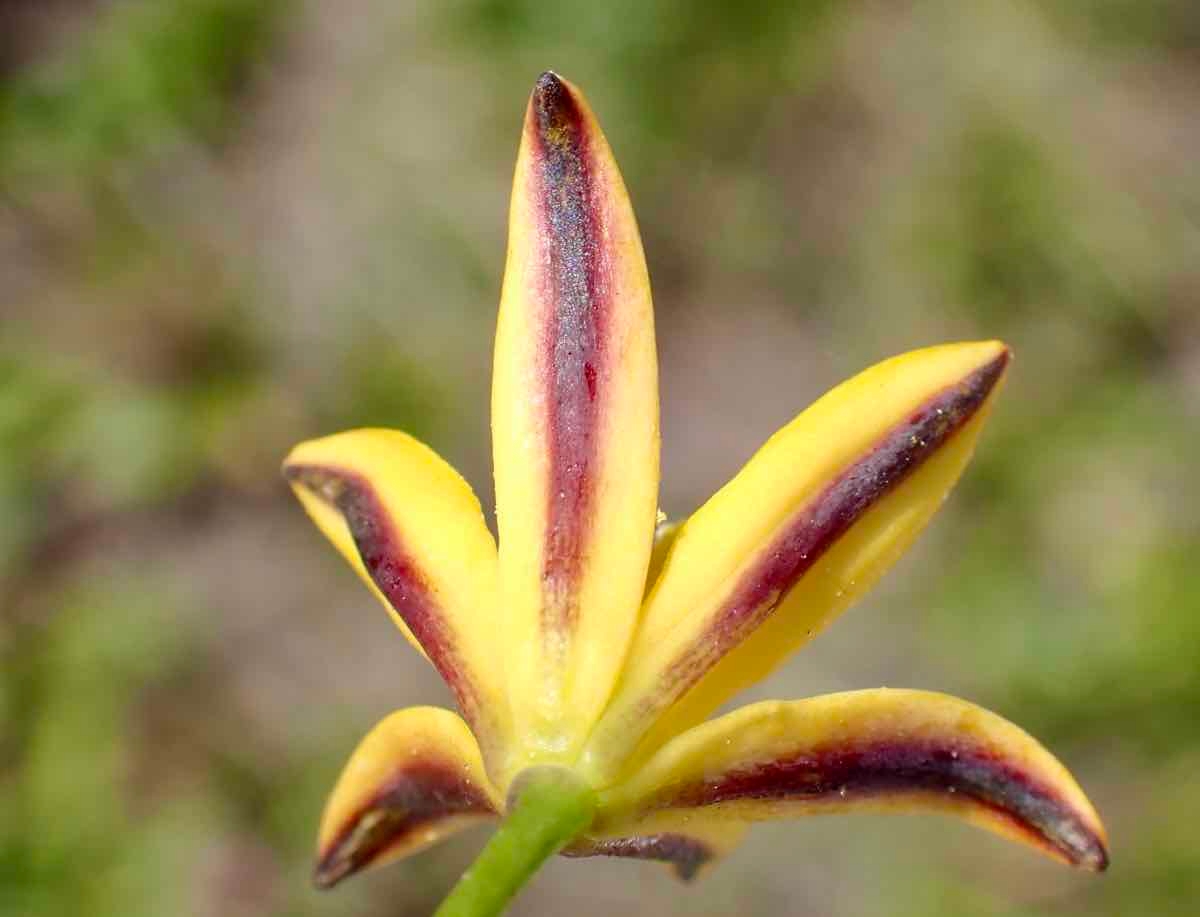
<point x="550" y="808"/>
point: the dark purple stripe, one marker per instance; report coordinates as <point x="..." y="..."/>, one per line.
<point x="421" y="794"/>
<point x="573" y="290"/>
<point x="686" y="854"/>
<point x="391" y="568"/>
<point x="884" y="769"/>
<point x="821" y="522"/>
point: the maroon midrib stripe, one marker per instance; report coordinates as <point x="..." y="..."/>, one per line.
<point x="574" y="300"/>
<point x="686" y="854"/>
<point x="392" y="569"/>
<point x="938" y="770"/>
<point x="822" y="521"/>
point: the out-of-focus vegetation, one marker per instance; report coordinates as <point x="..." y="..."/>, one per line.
<point x="227" y="225"/>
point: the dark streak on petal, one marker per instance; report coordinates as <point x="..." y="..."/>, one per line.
<point x="391" y="568"/>
<point x="574" y="289"/>
<point x="942" y="772"/>
<point x="822" y="521"/>
<point x="686" y="854"/>
<point x="422" y="794"/>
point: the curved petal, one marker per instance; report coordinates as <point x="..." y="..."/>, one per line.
<point x="686" y="842"/>
<point x="882" y="751"/>
<point x="416" y="778"/>
<point x="574" y="422"/>
<point x="413" y="530"/>
<point x="811" y="522"/>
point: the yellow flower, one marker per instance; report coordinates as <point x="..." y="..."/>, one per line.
<point x="588" y="643"/>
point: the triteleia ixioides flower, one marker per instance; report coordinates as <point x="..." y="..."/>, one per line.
<point x="585" y="643"/>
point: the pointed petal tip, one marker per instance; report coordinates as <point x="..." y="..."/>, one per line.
<point x="294" y="471"/>
<point x="556" y="116"/>
<point x="1073" y="835"/>
<point x="552" y="93"/>
<point x="1096" y="858"/>
<point x="288" y="467"/>
<point x="974" y="389"/>
<point x="1003" y="352"/>
<point x="992" y="371"/>
<point x="328" y="871"/>
<point x="994" y="357"/>
<point x="1083" y="843"/>
<point x="548" y="84"/>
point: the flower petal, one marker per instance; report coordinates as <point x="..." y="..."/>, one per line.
<point x="881" y="751"/>
<point x="685" y="841"/>
<point x="416" y="778"/>
<point x="412" y="528"/>
<point x="824" y="508"/>
<point x="574" y="420"/>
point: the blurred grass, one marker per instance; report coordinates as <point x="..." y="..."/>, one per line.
<point x="226" y="225"/>
<point x="144" y="75"/>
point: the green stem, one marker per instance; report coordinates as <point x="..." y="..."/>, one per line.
<point x="551" y="808"/>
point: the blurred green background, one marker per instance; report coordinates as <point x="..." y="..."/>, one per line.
<point x="228" y="225"/>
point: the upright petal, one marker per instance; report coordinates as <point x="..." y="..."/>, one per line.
<point x="879" y="751"/>
<point x="416" y="778"/>
<point x="413" y="530"/>
<point x="574" y="421"/>
<point x="816" y="516"/>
